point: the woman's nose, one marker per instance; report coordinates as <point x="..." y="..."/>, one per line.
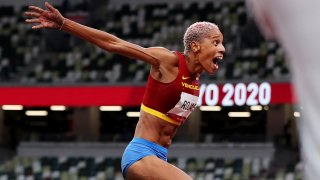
<point x="222" y="49"/>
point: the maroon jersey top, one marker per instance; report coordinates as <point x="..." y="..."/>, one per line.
<point x="176" y="99"/>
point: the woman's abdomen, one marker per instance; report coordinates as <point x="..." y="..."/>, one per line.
<point x="155" y="129"/>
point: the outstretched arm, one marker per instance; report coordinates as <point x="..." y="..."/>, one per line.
<point x="52" y="19"/>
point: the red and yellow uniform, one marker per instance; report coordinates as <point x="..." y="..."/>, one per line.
<point x="174" y="101"/>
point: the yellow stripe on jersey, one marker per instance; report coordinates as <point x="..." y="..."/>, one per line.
<point x="158" y="114"/>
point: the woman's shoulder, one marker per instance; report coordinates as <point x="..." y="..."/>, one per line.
<point x="164" y="55"/>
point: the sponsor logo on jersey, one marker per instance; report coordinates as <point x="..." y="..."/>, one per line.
<point x="184" y="77"/>
<point x="190" y="86"/>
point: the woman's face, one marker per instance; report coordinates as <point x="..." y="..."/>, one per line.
<point x="211" y="51"/>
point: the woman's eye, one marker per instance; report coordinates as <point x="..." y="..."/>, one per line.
<point x="215" y="43"/>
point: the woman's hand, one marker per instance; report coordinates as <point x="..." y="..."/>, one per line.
<point x="50" y="18"/>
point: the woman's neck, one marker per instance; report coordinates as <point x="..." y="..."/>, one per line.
<point x="193" y="64"/>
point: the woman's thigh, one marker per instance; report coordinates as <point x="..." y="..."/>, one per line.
<point x="153" y="168"/>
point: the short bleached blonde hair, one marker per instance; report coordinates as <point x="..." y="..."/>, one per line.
<point x="196" y="32"/>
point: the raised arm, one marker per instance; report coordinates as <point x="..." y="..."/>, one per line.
<point x="53" y="19"/>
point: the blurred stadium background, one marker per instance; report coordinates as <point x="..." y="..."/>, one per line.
<point x="68" y="109"/>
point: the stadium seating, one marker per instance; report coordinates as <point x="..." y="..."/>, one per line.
<point x="36" y="57"/>
<point x="104" y="168"/>
<point x="19" y="45"/>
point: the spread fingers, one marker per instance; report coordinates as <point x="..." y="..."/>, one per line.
<point x="38" y="26"/>
<point x="36" y="9"/>
<point x="33" y="20"/>
<point x="32" y="14"/>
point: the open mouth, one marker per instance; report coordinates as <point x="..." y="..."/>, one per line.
<point x="217" y="59"/>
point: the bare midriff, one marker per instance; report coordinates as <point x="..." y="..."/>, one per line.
<point x="154" y="129"/>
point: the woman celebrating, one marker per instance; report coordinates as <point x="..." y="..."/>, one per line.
<point x="171" y="93"/>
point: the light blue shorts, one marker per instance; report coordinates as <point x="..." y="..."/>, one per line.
<point x="139" y="148"/>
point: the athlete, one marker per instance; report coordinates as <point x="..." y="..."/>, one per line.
<point x="295" y="25"/>
<point x="171" y="93"/>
